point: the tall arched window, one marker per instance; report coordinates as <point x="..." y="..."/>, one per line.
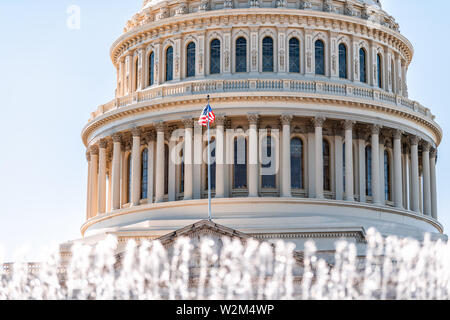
<point x="166" y="169"/>
<point x="268" y="181"/>
<point x="190" y="60"/>
<point x="362" y="66"/>
<point x="136" y="75"/>
<point x="212" y="166"/>
<point x="144" y="174"/>
<point x="387" y="175"/>
<point x="151" y="70"/>
<point x="343" y="61"/>
<point x="214" y="64"/>
<point x="294" y="55"/>
<point x="129" y="178"/>
<point x="369" y="171"/>
<point x="181" y="188"/>
<point x="169" y="64"/>
<point x="297" y="163"/>
<point x="326" y="166"/>
<point x="320" y="57"/>
<point x="240" y="163"/>
<point x="267" y="53"/>
<point x="379" y="71"/>
<point x="241" y="55"/>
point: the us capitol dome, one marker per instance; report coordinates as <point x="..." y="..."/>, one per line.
<point x="319" y="88"/>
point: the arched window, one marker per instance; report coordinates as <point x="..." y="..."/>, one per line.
<point x="294" y="55"/>
<point x="136" y="75"/>
<point x="326" y="166"/>
<point x="362" y="66"/>
<point x="144" y="174"/>
<point x="379" y="71"/>
<point x="343" y="61"/>
<point x="267" y="53"/>
<point x="268" y="181"/>
<point x="214" y="64"/>
<point x="181" y="188"/>
<point x="369" y="171"/>
<point x="240" y="163"/>
<point x="241" y="55"/>
<point x="151" y="70"/>
<point x="297" y="163"/>
<point x="190" y="60"/>
<point x="387" y="175"/>
<point x="320" y="57"/>
<point x="212" y="165"/>
<point x="166" y="169"/>
<point x="169" y="64"/>
<point x="129" y="178"/>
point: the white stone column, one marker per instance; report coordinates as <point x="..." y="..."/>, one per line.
<point x="376" y="196"/>
<point x="220" y="157"/>
<point x="398" y="180"/>
<point x="286" y="157"/>
<point x="94" y="179"/>
<point x="426" y="179"/>
<point x="172" y="193"/>
<point x="382" y="141"/>
<point x="349" y="180"/>
<point x="115" y="187"/>
<point x="129" y="73"/>
<point x="433" y="155"/>
<point x="253" y="165"/>
<point x="136" y="167"/>
<point x="151" y="137"/>
<point x="198" y="160"/>
<point x="338" y="163"/>
<point x="89" y="186"/>
<point x="362" y="138"/>
<point x="415" y="201"/>
<point x="102" y="177"/>
<point x="318" y="125"/>
<point x="160" y="160"/>
<point x="188" y="159"/>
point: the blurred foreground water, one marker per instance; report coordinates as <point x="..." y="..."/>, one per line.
<point x="226" y="268"/>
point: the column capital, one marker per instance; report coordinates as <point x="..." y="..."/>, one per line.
<point x="363" y="134"/>
<point x="117" y="137"/>
<point x="318" y="121"/>
<point x="426" y="146"/>
<point x="348" y="124"/>
<point x="286" y="119"/>
<point x="397" y="134"/>
<point x="93" y="150"/>
<point x="188" y="123"/>
<point x="103" y="144"/>
<point x="253" y="119"/>
<point x="160" y="126"/>
<point x="136" y="132"/>
<point x="375" y="129"/>
<point x="433" y="153"/>
<point x="150" y="136"/>
<point x="415" y="140"/>
<point x="221" y="120"/>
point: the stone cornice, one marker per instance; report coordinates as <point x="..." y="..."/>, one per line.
<point x="262" y="96"/>
<point x="272" y="17"/>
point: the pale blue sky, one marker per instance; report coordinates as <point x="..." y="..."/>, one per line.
<point x="53" y="77"/>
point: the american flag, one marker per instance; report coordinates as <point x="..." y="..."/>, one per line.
<point x="207" y="115"/>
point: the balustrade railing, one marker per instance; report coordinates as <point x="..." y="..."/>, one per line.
<point x="216" y="86"/>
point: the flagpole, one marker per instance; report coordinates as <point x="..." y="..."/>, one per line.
<point x="209" y="170"/>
